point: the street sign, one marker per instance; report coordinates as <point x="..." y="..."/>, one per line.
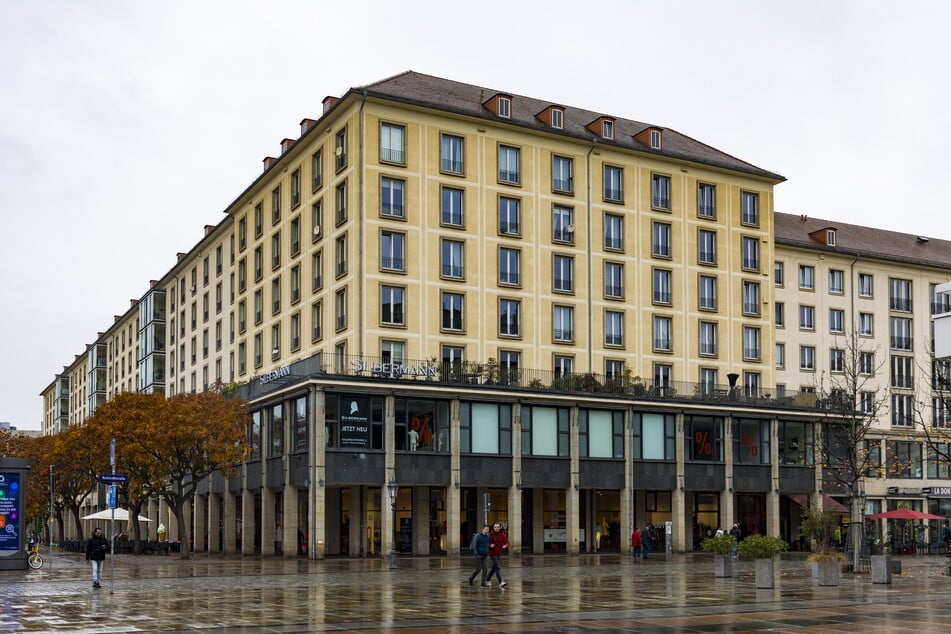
<point x="113" y="477"/>
<point x="111" y="494"/>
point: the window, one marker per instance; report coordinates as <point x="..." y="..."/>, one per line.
<point x="865" y="285"/>
<point x="902" y="411"/>
<point x="452" y="312"/>
<point x="660" y="191"/>
<point x="836" y="281"/>
<point x="708" y="292"/>
<point x="340" y="308"/>
<point x="557" y="118"/>
<point x="242" y="316"/>
<point x="780" y="355"/>
<point x="317" y="269"/>
<point x="295" y="188"/>
<point x="295" y="331"/>
<point x="940" y="417"/>
<point x="317" y="220"/>
<point x="453" y="356"/>
<point x="706" y="200"/>
<point x="452" y="254"/>
<point x="836" y="360"/>
<point x="545" y="430"/>
<point x="509" y="324"/>
<point x="662" y="334"/>
<point x="509" y="216"/>
<point x="391" y="304"/>
<point x="706" y="247"/>
<point x="663" y="375"/>
<point x="867" y="363"/>
<point x="340" y="255"/>
<point x="866" y="324"/>
<point x="779" y="273"/>
<point x="940" y="302"/>
<point x="258" y="306"/>
<point x="451" y="211"/>
<point x="392" y="143"/>
<point x="751" y="343"/>
<point x="317" y="169"/>
<point x="807" y="358"/>
<point x="708" y="380"/>
<point x="899" y="295"/>
<point x="836" y="320"/>
<point x="562" y="179"/>
<point x="613" y="328"/>
<point x="452" y="154"/>
<point x="276" y="295"/>
<point x="508" y="164"/>
<point x="563" y="324"/>
<point x="242" y="234"/>
<point x="614" y="369"/>
<point x="900" y="333"/>
<point x="708" y="338"/>
<point x="276" y="205"/>
<point x="750" y="247"/>
<point x="902" y="374"/>
<point x="391" y="197"/>
<point x="660" y="243"/>
<point x="662" y="287"/>
<point x="505" y="107"/>
<point x="613" y="183"/>
<point x="614" y="280"/>
<point x="258" y="219"/>
<point x="295" y="236"/>
<point x="563" y="229"/>
<point x="563" y="273"/>
<point x="779" y="309"/>
<point x="830" y="237"/>
<point x="751" y="300"/>
<point x="807" y="280"/>
<point x="317" y="321"/>
<point x="607" y="129"/>
<point x="340" y="149"/>
<point x="392" y="251"/>
<point x="749" y="212"/>
<point x="276" y="250"/>
<point x="258" y="263"/>
<point x="807" y="319"/>
<point x="340" y="201"/>
<point x="509" y="267"/>
<point x="867" y="402"/>
<point x="613" y="232"/>
<point x="295" y="284"/>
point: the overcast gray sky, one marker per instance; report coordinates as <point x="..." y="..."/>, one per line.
<point x="127" y="126"/>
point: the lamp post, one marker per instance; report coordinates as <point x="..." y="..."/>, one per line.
<point x="393" y="488"/>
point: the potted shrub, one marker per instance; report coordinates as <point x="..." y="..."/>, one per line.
<point x="721" y="546"/>
<point x="820" y="526"/>
<point x="763" y="548"/>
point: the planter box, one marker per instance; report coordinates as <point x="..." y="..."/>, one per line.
<point x="722" y="566"/>
<point x="765" y="573"/>
<point x="881" y="569"/>
<point x="829" y="571"/>
<point x="894" y="565"/>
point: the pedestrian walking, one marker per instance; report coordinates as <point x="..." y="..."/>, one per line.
<point x="96" y="548"/>
<point x="646" y="540"/>
<point x="737" y="534"/>
<point x="498" y="544"/>
<point x="480" y="549"/>
<point x="636" y="543"/>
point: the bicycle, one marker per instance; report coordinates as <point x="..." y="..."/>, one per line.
<point x="35" y="560"/>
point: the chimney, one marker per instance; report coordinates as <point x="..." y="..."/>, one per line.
<point x="329" y="102"/>
<point x="180" y="256"/>
<point x="209" y="229"/>
<point x="268" y="162"/>
<point x="153" y="283"/>
<point x="305" y="125"/>
<point x="286" y="145"/>
<point x="803" y="218"/>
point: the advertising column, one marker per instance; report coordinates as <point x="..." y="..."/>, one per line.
<point x="12" y="522"/>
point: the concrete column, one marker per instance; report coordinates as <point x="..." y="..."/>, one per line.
<point x="627" y="519"/>
<point x="727" y="506"/>
<point x="453" y="496"/>
<point x="678" y="500"/>
<point x="538" y="530"/>
<point x="153" y="514"/>
<point x="248" y="521"/>
<point x="387" y="520"/>
<point x="317" y="491"/>
<point x="515" y="492"/>
<point x="213" y="519"/>
<point x="200" y="516"/>
<point x="291" y="524"/>
<point x="421" y="524"/>
<point x="267" y="518"/>
<point x="229" y="522"/>
<point x="772" y="498"/>
<point x="572" y="501"/>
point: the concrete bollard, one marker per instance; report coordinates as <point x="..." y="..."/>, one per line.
<point x="881" y="569"/>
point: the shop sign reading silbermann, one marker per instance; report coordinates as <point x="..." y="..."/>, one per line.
<point x="393" y="369"/>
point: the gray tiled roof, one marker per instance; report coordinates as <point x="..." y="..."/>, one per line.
<point x="443" y="94"/>
<point x="793" y="230"/>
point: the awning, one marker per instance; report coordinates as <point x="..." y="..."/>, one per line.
<point x="828" y="503"/>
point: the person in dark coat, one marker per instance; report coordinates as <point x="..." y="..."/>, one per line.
<point x="480" y="550"/>
<point x="96" y="548"/>
<point x="498" y="544"/>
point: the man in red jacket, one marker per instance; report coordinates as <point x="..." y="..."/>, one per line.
<point x="636" y="543"/>
<point x="498" y="543"/>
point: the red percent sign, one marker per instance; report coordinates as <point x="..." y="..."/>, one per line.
<point x="422" y="426"/>
<point x="749" y="444"/>
<point x="702" y="441"/>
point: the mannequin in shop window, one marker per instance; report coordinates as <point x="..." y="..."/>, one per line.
<point x="413" y="439"/>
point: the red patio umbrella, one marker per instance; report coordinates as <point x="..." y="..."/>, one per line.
<point x="905" y="514"/>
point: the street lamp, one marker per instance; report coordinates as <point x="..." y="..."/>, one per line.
<point x="393" y="488"/>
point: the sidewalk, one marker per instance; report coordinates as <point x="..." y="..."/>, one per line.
<point x="605" y="592"/>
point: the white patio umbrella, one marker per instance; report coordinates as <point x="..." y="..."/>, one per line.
<point x="122" y="515"/>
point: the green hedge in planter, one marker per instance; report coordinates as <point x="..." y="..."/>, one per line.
<point x="719" y="545"/>
<point x="762" y="547"/>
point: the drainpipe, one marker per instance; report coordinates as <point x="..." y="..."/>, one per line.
<point x="360" y="230"/>
<point x="594" y="143"/>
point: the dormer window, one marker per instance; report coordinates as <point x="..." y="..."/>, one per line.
<point x="830" y="237"/>
<point x="607" y="129"/>
<point x="655" y="139"/>
<point x="557" y="118"/>
<point x="505" y="107"/>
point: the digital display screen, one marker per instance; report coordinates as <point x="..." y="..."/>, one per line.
<point x="9" y="511"/>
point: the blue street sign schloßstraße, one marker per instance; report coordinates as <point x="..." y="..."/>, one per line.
<point x="113" y="477"/>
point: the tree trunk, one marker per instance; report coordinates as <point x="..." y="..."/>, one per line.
<point x="184" y="551"/>
<point x="856" y="533"/>
<point x="74" y="511"/>
<point x="134" y="512"/>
